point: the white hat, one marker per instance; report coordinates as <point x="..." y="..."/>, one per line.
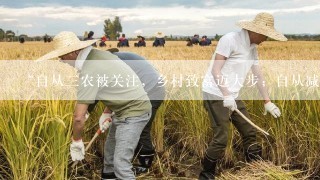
<point x="64" y="43"/>
<point x="263" y="23"/>
<point x="159" y="35"/>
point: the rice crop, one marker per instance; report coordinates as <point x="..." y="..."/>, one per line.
<point x="35" y="135"/>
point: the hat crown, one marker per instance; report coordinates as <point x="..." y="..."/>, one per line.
<point x="65" y="39"/>
<point x="264" y="20"/>
<point x="159" y="34"/>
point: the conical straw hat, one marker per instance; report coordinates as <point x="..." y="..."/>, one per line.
<point x="64" y="43"/>
<point x="159" y="35"/>
<point x="263" y="23"/>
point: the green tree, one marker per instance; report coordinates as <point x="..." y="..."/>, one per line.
<point x="217" y="37"/>
<point x="10" y="35"/>
<point x="112" y="28"/>
<point x="113" y="33"/>
<point x="109" y="29"/>
<point x="106" y="29"/>
<point x="117" y="26"/>
<point x="2" y="34"/>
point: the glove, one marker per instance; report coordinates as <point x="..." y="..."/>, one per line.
<point x="87" y="115"/>
<point x="105" y="121"/>
<point x="229" y="102"/>
<point x="272" y="109"/>
<point x="77" y="150"/>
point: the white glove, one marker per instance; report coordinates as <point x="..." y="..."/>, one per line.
<point x="87" y="115"/>
<point x="272" y="109"/>
<point x="229" y="102"/>
<point x="105" y="121"/>
<point x="77" y="150"/>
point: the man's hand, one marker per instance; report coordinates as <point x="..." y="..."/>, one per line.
<point x="229" y="102"/>
<point x="87" y="116"/>
<point x="77" y="150"/>
<point x="272" y="109"/>
<point x="105" y="121"/>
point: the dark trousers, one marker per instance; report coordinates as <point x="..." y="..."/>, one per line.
<point x="145" y="146"/>
<point x="221" y="118"/>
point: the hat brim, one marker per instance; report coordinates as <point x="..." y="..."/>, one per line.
<point x="62" y="51"/>
<point x="270" y="32"/>
<point x="159" y="36"/>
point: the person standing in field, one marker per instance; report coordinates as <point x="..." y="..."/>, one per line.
<point x="130" y="104"/>
<point x="235" y="55"/>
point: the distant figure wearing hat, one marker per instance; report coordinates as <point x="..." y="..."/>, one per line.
<point x="103" y="41"/>
<point x="141" y="42"/>
<point x="46" y="38"/>
<point x="123" y="41"/>
<point x="159" y="41"/>
<point x="90" y="37"/>
<point x="130" y="103"/>
<point x="195" y="39"/>
<point x="205" y="41"/>
<point x="235" y="55"/>
<point x="21" y="39"/>
<point x="189" y="42"/>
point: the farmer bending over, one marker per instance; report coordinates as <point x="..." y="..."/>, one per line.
<point x="132" y="111"/>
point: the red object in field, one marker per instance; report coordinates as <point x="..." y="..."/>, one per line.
<point x="104" y="38"/>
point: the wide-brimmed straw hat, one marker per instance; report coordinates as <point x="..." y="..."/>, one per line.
<point x="64" y="43"/>
<point x="159" y="35"/>
<point x="263" y="23"/>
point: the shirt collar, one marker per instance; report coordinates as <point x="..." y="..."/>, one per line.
<point x="82" y="56"/>
<point x="244" y="34"/>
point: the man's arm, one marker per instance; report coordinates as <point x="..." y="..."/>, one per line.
<point x="79" y="118"/>
<point x="228" y="99"/>
<point x="261" y="86"/>
<point x="268" y="105"/>
<point x="217" y="75"/>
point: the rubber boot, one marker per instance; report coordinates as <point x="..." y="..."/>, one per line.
<point x="209" y="169"/>
<point x="145" y="163"/>
<point x="253" y="154"/>
<point x="108" y="176"/>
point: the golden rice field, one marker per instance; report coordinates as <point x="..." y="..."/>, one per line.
<point x="35" y="135"/>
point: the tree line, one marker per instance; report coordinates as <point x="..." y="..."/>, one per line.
<point x="10" y="36"/>
<point x="7" y="35"/>
<point x="113" y="28"/>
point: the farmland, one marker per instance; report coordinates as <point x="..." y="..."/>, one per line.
<point x="35" y="135"/>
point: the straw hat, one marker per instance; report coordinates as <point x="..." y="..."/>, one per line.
<point x="159" y="35"/>
<point x="64" y="43"/>
<point x="263" y="23"/>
